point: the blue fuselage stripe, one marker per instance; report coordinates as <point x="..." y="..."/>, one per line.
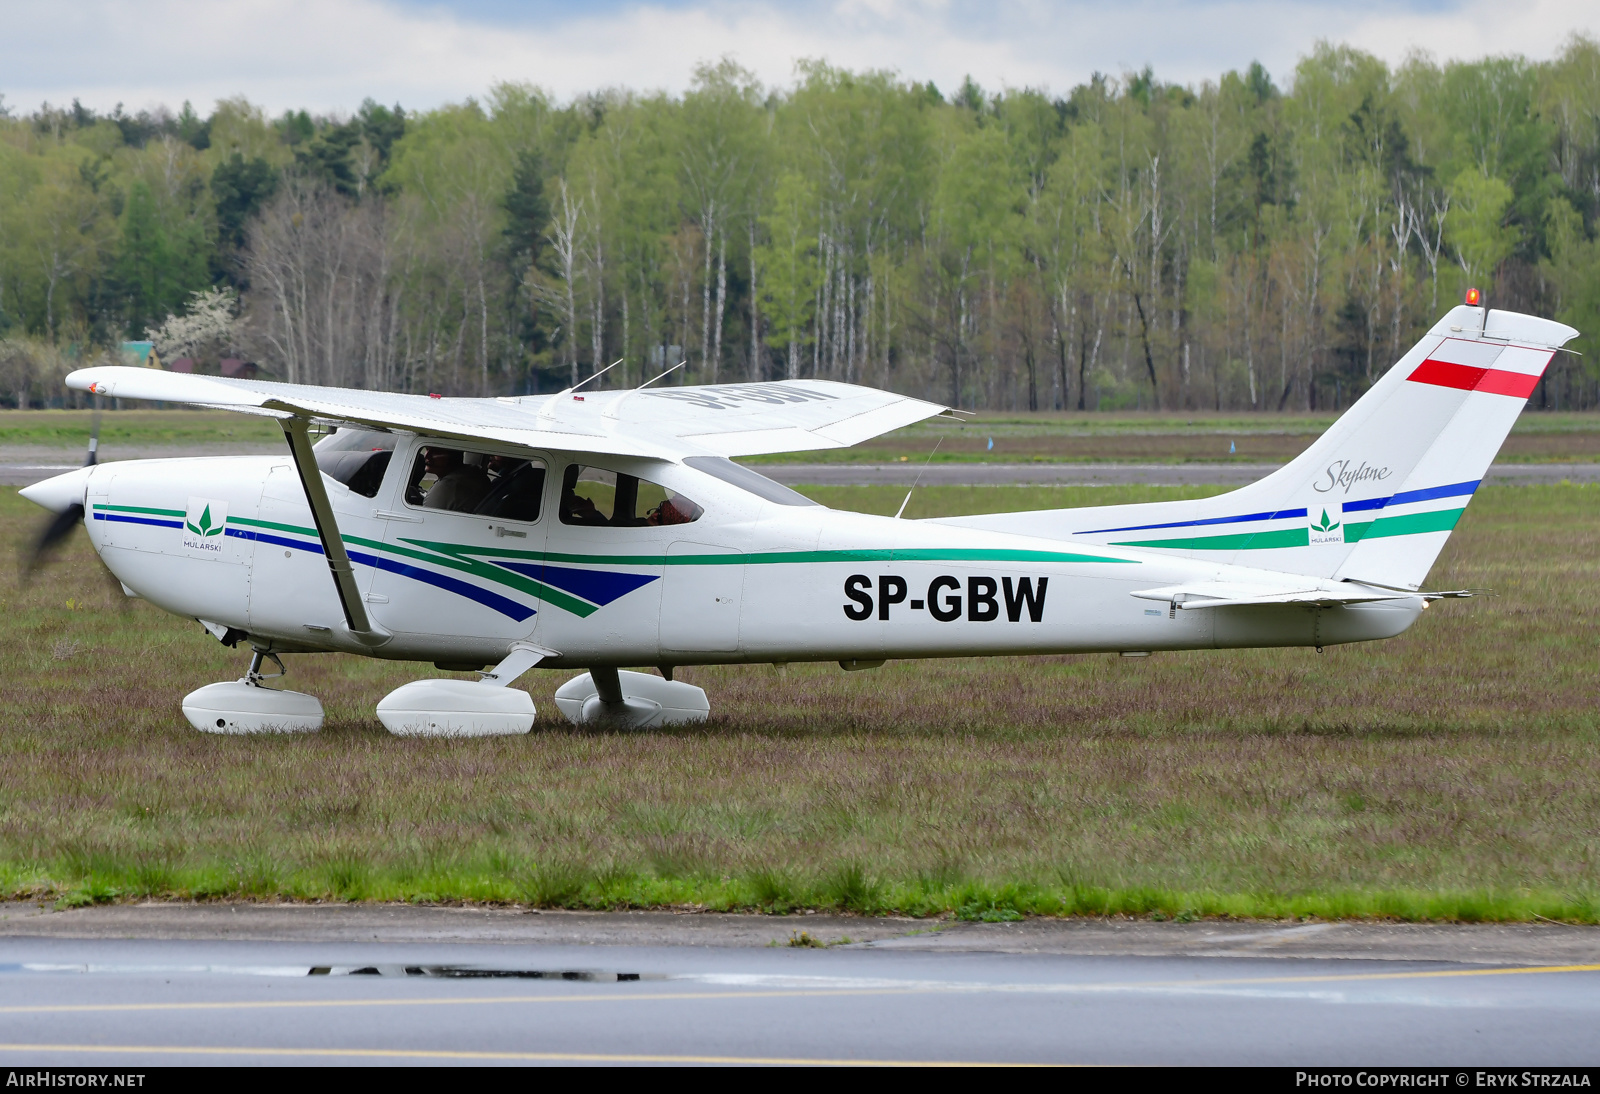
<point x="1281" y="514"/>
<point x="267" y="537"/>
<point x="504" y="605"/>
<point x="118" y="518"/>
<point x="1454" y="490"/>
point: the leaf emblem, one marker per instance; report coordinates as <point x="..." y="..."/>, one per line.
<point x="204" y="529"/>
<point x="1325" y="525"/>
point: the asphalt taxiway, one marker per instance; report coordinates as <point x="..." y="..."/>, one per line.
<point x="164" y="984"/>
<point x="25" y="466"/>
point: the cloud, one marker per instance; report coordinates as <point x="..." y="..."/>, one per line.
<point x="331" y="54"/>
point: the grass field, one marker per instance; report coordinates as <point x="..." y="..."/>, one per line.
<point x="1169" y="438"/>
<point x="1055" y="438"/>
<point x="70" y="428"/>
<point x="1452" y="773"/>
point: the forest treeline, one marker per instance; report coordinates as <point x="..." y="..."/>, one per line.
<point x="1131" y="244"/>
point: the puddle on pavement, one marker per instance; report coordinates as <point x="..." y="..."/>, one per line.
<point x="438" y="972"/>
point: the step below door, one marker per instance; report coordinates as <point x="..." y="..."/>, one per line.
<point x="701" y="591"/>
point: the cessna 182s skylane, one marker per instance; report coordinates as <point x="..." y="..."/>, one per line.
<point x="609" y="528"/>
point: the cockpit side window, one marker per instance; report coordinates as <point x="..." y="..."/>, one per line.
<point x="460" y="481"/>
<point x="597" y="498"/>
<point x="516" y="489"/>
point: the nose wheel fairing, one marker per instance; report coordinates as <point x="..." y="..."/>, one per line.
<point x="247" y="705"/>
<point x="612" y="698"/>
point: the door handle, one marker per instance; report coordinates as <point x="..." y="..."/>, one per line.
<point x="500" y="530"/>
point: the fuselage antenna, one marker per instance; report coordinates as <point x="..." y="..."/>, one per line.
<point x="592" y="376"/>
<point x="669" y="371"/>
<point x="914" y="485"/>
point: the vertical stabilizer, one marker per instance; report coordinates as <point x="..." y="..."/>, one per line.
<point x="1376" y="496"/>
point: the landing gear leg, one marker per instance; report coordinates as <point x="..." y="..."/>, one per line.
<point x="607" y="686"/>
<point x="254" y="676"/>
<point x="247" y="705"/>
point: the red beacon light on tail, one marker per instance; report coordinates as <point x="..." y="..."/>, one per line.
<point x="1474" y="298"/>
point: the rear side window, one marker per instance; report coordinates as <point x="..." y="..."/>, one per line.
<point x="597" y="498"/>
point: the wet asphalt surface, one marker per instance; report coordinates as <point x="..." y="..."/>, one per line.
<point x="173" y="985"/>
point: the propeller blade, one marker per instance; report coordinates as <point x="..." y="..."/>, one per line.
<point x="59" y="528"/>
<point x="62" y="524"/>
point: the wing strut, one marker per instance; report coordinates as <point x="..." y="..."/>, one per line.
<point x="344" y="578"/>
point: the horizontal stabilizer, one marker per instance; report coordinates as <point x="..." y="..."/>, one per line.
<point x="1223" y="594"/>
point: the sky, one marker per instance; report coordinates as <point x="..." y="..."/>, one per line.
<point x="329" y="55"/>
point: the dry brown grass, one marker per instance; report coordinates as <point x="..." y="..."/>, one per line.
<point x="1452" y="772"/>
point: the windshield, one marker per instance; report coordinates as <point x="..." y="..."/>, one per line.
<point x="356" y="457"/>
<point x="745" y="479"/>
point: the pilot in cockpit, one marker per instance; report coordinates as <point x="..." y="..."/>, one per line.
<point x="459" y="487"/>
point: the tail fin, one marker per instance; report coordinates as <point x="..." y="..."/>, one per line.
<point x="1376" y="496"/>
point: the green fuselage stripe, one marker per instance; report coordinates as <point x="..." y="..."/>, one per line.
<point x="140" y="509"/>
<point x="896" y="554"/>
<point x="451" y="556"/>
<point x="275" y="526"/>
<point x="1241" y="541"/>
<point x="457" y="556"/>
<point x="1409" y="524"/>
<point x="479" y="561"/>
<point x="1440" y="520"/>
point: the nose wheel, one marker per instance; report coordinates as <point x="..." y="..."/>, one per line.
<point x="247" y="705"/>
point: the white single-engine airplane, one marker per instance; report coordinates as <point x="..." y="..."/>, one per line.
<point x="609" y="528"/>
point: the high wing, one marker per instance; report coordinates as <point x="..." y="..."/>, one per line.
<point x="663" y="423"/>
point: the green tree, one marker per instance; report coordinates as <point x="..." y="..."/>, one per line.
<point x="1477" y="226"/>
<point x="239" y="187"/>
<point x="720" y="120"/>
<point x="788" y="265"/>
<point x="1574" y="267"/>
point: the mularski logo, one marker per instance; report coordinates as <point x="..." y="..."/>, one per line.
<point x="1327" y="523"/>
<point x="203" y="527"/>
